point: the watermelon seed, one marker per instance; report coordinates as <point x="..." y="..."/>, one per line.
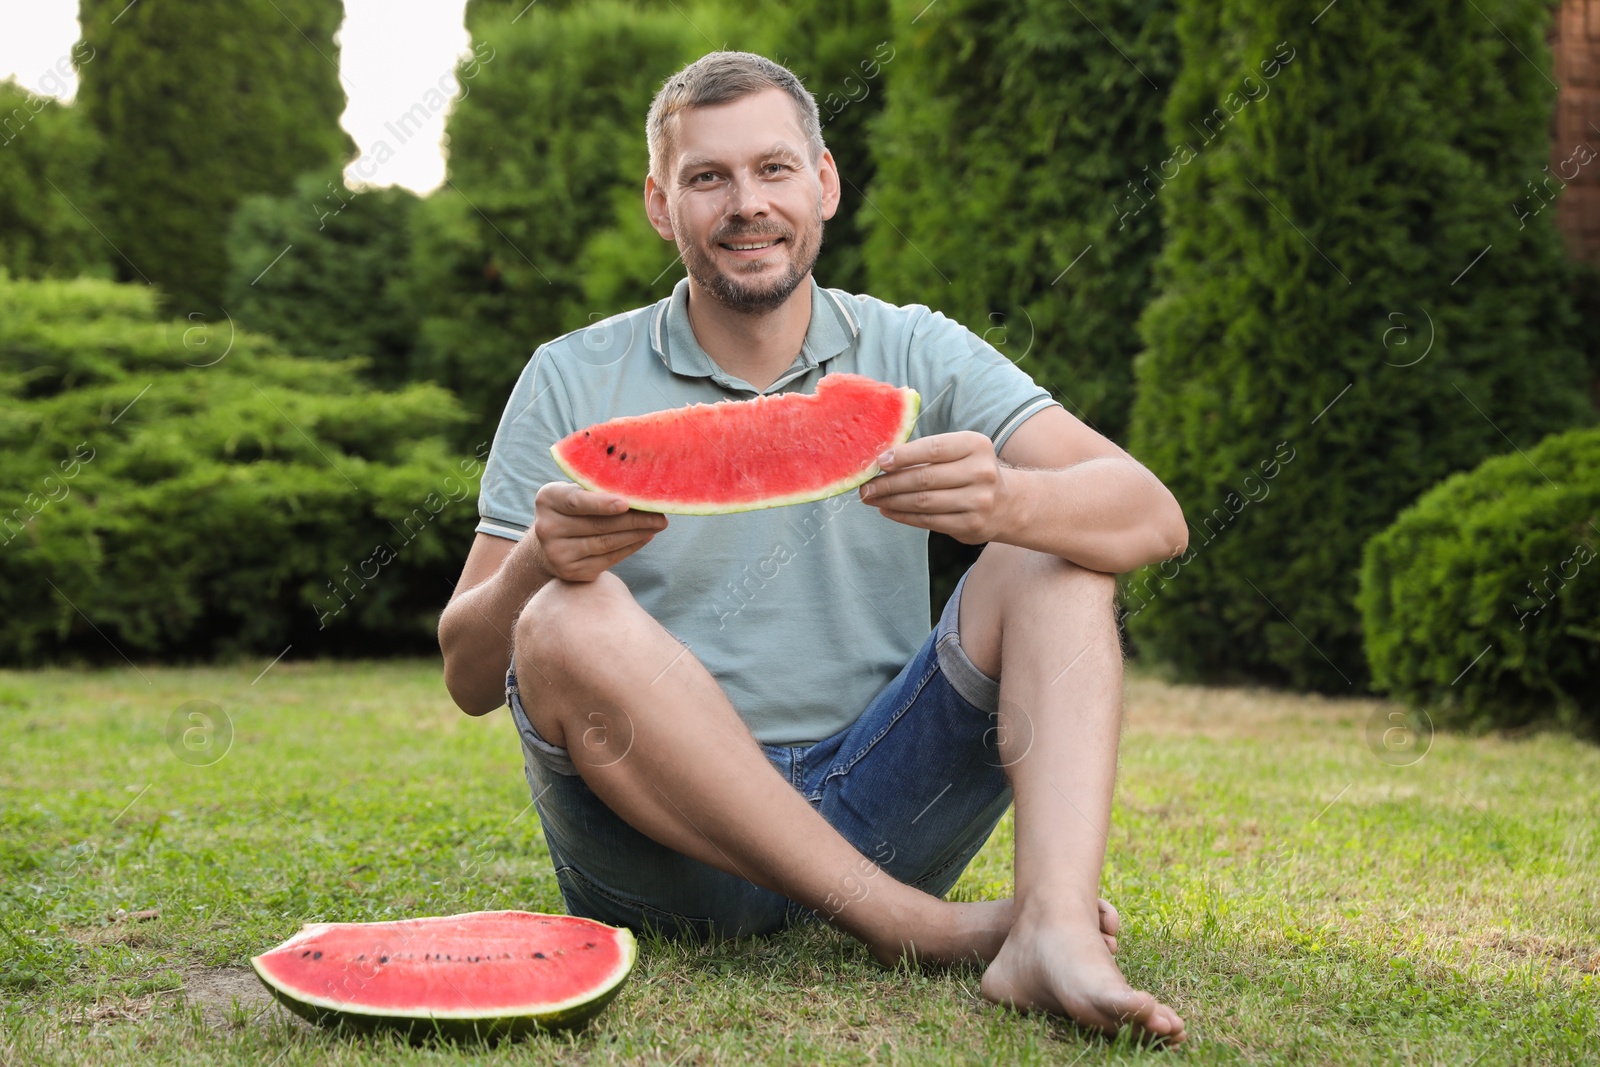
<point x="588" y="944"/>
<point x="316" y="955"/>
<point x="610" y="449"/>
<point x="306" y="953"/>
<point x="624" y="455"/>
<point x="383" y="959"/>
<point x="538" y="955"/>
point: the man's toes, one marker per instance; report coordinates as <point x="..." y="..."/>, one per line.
<point x="1132" y="1006"/>
<point x="1165" y="1024"/>
<point x="1151" y="1019"/>
<point x="1111" y="943"/>
<point x="1110" y="921"/>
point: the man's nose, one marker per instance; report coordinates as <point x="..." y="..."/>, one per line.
<point x="748" y="197"/>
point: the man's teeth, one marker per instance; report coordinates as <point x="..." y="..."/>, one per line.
<point x="746" y="247"/>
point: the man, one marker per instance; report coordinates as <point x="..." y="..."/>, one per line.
<point x="734" y="722"/>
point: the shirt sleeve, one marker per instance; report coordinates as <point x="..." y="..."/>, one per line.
<point x="966" y="384"/>
<point x="537" y="415"/>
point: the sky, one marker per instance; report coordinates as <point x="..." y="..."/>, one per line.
<point x="391" y="53"/>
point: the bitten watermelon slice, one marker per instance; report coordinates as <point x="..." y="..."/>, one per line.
<point x="485" y="974"/>
<point x="740" y="455"/>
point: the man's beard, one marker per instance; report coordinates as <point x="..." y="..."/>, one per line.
<point x="752" y="299"/>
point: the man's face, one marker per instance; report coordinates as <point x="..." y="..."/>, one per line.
<point x="741" y="176"/>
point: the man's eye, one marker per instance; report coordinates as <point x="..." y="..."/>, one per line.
<point x="706" y="174"/>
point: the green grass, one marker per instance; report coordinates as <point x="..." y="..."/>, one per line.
<point x="1296" y="898"/>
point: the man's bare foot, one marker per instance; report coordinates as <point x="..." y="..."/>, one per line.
<point x="975" y="932"/>
<point x="1063" y="968"/>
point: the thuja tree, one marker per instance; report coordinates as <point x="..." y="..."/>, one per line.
<point x="322" y="270"/>
<point x="543" y="151"/>
<point x="1013" y="155"/>
<point x="200" y="104"/>
<point x="1357" y="298"/>
<point x="47" y="152"/>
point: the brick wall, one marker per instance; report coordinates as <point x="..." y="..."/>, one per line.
<point x="1575" y="134"/>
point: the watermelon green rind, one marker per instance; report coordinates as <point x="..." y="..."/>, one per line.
<point x="908" y="421"/>
<point x="469" y="1029"/>
<point x="469" y="1025"/>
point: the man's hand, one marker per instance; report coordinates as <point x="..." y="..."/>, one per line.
<point x="582" y="534"/>
<point x="949" y="482"/>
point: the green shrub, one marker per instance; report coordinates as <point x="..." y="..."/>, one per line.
<point x="171" y="489"/>
<point x="47" y="153"/>
<point x="1330" y="213"/>
<point x="1483" y="598"/>
<point x="321" y="270"/>
<point x="200" y="104"/>
<point x="1009" y="147"/>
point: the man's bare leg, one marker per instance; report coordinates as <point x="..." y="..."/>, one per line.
<point x="654" y="736"/>
<point x="1046" y="629"/>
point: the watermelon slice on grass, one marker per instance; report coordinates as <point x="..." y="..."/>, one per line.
<point x="741" y="455"/>
<point x="481" y="975"/>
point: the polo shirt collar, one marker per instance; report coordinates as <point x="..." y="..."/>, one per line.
<point x="833" y="328"/>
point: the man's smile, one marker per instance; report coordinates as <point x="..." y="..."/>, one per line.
<point x="750" y="248"/>
<point x="751" y="243"/>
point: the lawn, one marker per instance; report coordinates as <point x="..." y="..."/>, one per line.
<point x="1296" y="897"/>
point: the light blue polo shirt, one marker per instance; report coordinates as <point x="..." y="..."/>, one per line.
<point x="801" y="613"/>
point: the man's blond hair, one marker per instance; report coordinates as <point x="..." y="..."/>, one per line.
<point x="719" y="78"/>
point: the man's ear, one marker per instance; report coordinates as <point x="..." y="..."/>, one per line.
<point x="655" y="209"/>
<point x="828" y="175"/>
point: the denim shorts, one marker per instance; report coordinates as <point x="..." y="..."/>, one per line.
<point x="916" y="784"/>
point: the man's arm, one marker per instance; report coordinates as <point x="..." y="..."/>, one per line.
<point x="577" y="535"/>
<point x="1062" y="489"/>
<point x="475" y="629"/>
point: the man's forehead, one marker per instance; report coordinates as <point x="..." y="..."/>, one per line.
<point x="706" y="133"/>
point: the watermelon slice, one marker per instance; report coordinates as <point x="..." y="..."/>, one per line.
<point x="485" y="974"/>
<point x="740" y="455"/>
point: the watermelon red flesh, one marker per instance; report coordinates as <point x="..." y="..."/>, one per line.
<point x="708" y="459"/>
<point x="490" y="966"/>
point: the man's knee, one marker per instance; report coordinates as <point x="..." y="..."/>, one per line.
<point x="566" y="624"/>
<point x="1012" y="586"/>
<point x="1027" y="574"/>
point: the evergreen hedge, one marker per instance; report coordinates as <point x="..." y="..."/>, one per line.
<point x="47" y="153"/>
<point x="1008" y="154"/>
<point x="176" y="490"/>
<point x="200" y="104"/>
<point x="1351" y="309"/>
<point x="323" y="270"/>
<point x="1483" y="599"/>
